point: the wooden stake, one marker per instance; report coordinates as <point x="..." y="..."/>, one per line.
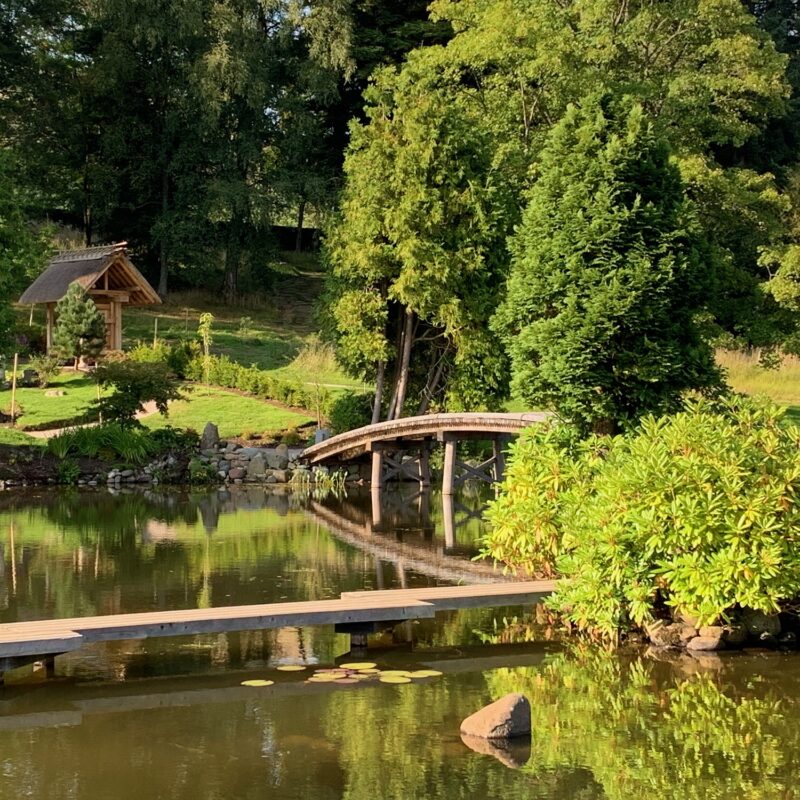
<point x="14" y="391"/>
<point x="155" y="333"/>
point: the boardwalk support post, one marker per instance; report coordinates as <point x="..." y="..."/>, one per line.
<point x="449" y="476"/>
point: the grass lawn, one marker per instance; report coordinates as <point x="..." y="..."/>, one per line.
<point x="37" y="409"/>
<point x="232" y="413"/>
<point x="14" y="437"/>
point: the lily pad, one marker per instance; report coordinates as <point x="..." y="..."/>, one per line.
<point x="394" y="679"/>
<point x="345" y="680"/>
<point x="290" y="668"/>
<point x="425" y="673"/>
<point x="321" y="679"/>
<point x="396" y="673"/>
<point x="257" y="683"/>
<point x="371" y="671"/>
<point x="359" y="665"/>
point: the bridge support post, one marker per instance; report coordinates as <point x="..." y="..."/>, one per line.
<point x="449" y="518"/>
<point x="376" y="480"/>
<point x="498" y="443"/>
<point x="425" y="465"/>
<point x="449" y="473"/>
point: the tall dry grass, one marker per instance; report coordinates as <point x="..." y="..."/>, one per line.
<point x="744" y="374"/>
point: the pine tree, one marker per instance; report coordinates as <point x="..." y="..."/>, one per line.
<point x="80" y="327"/>
<point x="607" y="275"/>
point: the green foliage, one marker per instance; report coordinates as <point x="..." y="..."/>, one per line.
<point x="350" y="410"/>
<point x="697" y="512"/>
<point x="110" y="441"/>
<point x="133" y="384"/>
<point x="46" y="368"/>
<point x="68" y="472"/>
<point x="23" y="252"/>
<point x="200" y="472"/>
<point x="222" y="371"/>
<point x="80" y="330"/>
<point x="175" y="355"/>
<point x="607" y="277"/>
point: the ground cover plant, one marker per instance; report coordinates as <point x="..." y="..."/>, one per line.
<point x="694" y="513"/>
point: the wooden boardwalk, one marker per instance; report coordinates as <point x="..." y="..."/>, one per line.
<point x="25" y="641"/>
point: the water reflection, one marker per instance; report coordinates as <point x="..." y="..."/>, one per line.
<point x="165" y="718"/>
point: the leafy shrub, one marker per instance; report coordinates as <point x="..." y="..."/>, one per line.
<point x="697" y="512"/>
<point x="68" y="472"/>
<point x="176" y="356"/>
<point x="350" y="410"/>
<point x="201" y="472"/>
<point x="222" y="371"/>
<point x="29" y="339"/>
<point x="110" y="442"/>
<point x="46" y="368"/>
<point x="134" y="384"/>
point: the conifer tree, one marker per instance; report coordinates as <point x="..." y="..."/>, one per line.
<point x="608" y="275"/>
<point x="80" y="328"/>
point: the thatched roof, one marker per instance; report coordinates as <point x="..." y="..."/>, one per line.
<point x="87" y="267"/>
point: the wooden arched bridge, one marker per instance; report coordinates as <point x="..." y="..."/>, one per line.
<point x="388" y="443"/>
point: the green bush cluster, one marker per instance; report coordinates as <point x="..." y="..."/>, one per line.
<point x="696" y="512"/>
<point x="115" y="442"/>
<point x="222" y="371"/>
<point x="176" y="355"/>
<point x="350" y="410"/>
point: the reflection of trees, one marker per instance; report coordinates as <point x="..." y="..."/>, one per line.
<point x="643" y="733"/>
<point x="404" y="743"/>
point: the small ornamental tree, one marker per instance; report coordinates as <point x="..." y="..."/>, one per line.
<point x="80" y="327"/>
<point x="608" y="275"/>
<point x="133" y="385"/>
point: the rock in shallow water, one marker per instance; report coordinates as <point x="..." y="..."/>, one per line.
<point x="506" y="718"/>
<point x="512" y="753"/>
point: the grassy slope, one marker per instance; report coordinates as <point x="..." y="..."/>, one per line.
<point x="232" y="413"/>
<point x="38" y="409"/>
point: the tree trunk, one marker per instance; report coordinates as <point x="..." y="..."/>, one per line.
<point x="405" y="364"/>
<point x="87" y="204"/>
<point x="162" y="256"/>
<point x="233" y="255"/>
<point x="432" y="385"/>
<point x="376" y="408"/>
<point x="301" y="213"/>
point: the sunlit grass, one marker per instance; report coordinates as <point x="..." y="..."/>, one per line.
<point x="233" y="414"/>
<point x="16" y="437"/>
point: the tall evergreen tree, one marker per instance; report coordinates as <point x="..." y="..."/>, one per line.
<point x="80" y="330"/>
<point x="607" y="275"/>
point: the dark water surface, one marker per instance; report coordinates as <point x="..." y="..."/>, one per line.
<point x="169" y="718"/>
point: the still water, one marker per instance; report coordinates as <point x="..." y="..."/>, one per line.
<point x="169" y="718"/>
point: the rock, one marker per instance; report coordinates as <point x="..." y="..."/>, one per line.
<point x="271" y="479"/>
<point x="713" y="631"/>
<point x="55" y="393"/>
<point x="276" y="460"/>
<point x="231" y="447"/>
<point x="511" y="753"/>
<point x="506" y="718"/>
<point x="210" y="436"/>
<point x="757" y="623"/>
<point x="208" y="453"/>
<point x="788" y="641"/>
<point x="280" y="475"/>
<point x="735" y="635"/>
<point x="674" y="635"/>
<point x="257" y="467"/>
<point x="126" y="473"/>
<point x="282" y="450"/>
<point x="237" y="473"/>
<point x="706" y="643"/>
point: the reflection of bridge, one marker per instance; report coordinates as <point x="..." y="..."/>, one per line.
<point x="388" y="443"/>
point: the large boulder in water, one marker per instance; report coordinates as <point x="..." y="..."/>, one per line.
<point x="506" y="718"/>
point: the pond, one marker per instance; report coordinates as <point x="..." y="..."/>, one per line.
<point x="170" y="718"/>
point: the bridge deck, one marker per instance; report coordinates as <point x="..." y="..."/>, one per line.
<point x="51" y="637"/>
<point x="356" y="442"/>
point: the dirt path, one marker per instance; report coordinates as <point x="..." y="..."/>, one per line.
<point x="149" y="410"/>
